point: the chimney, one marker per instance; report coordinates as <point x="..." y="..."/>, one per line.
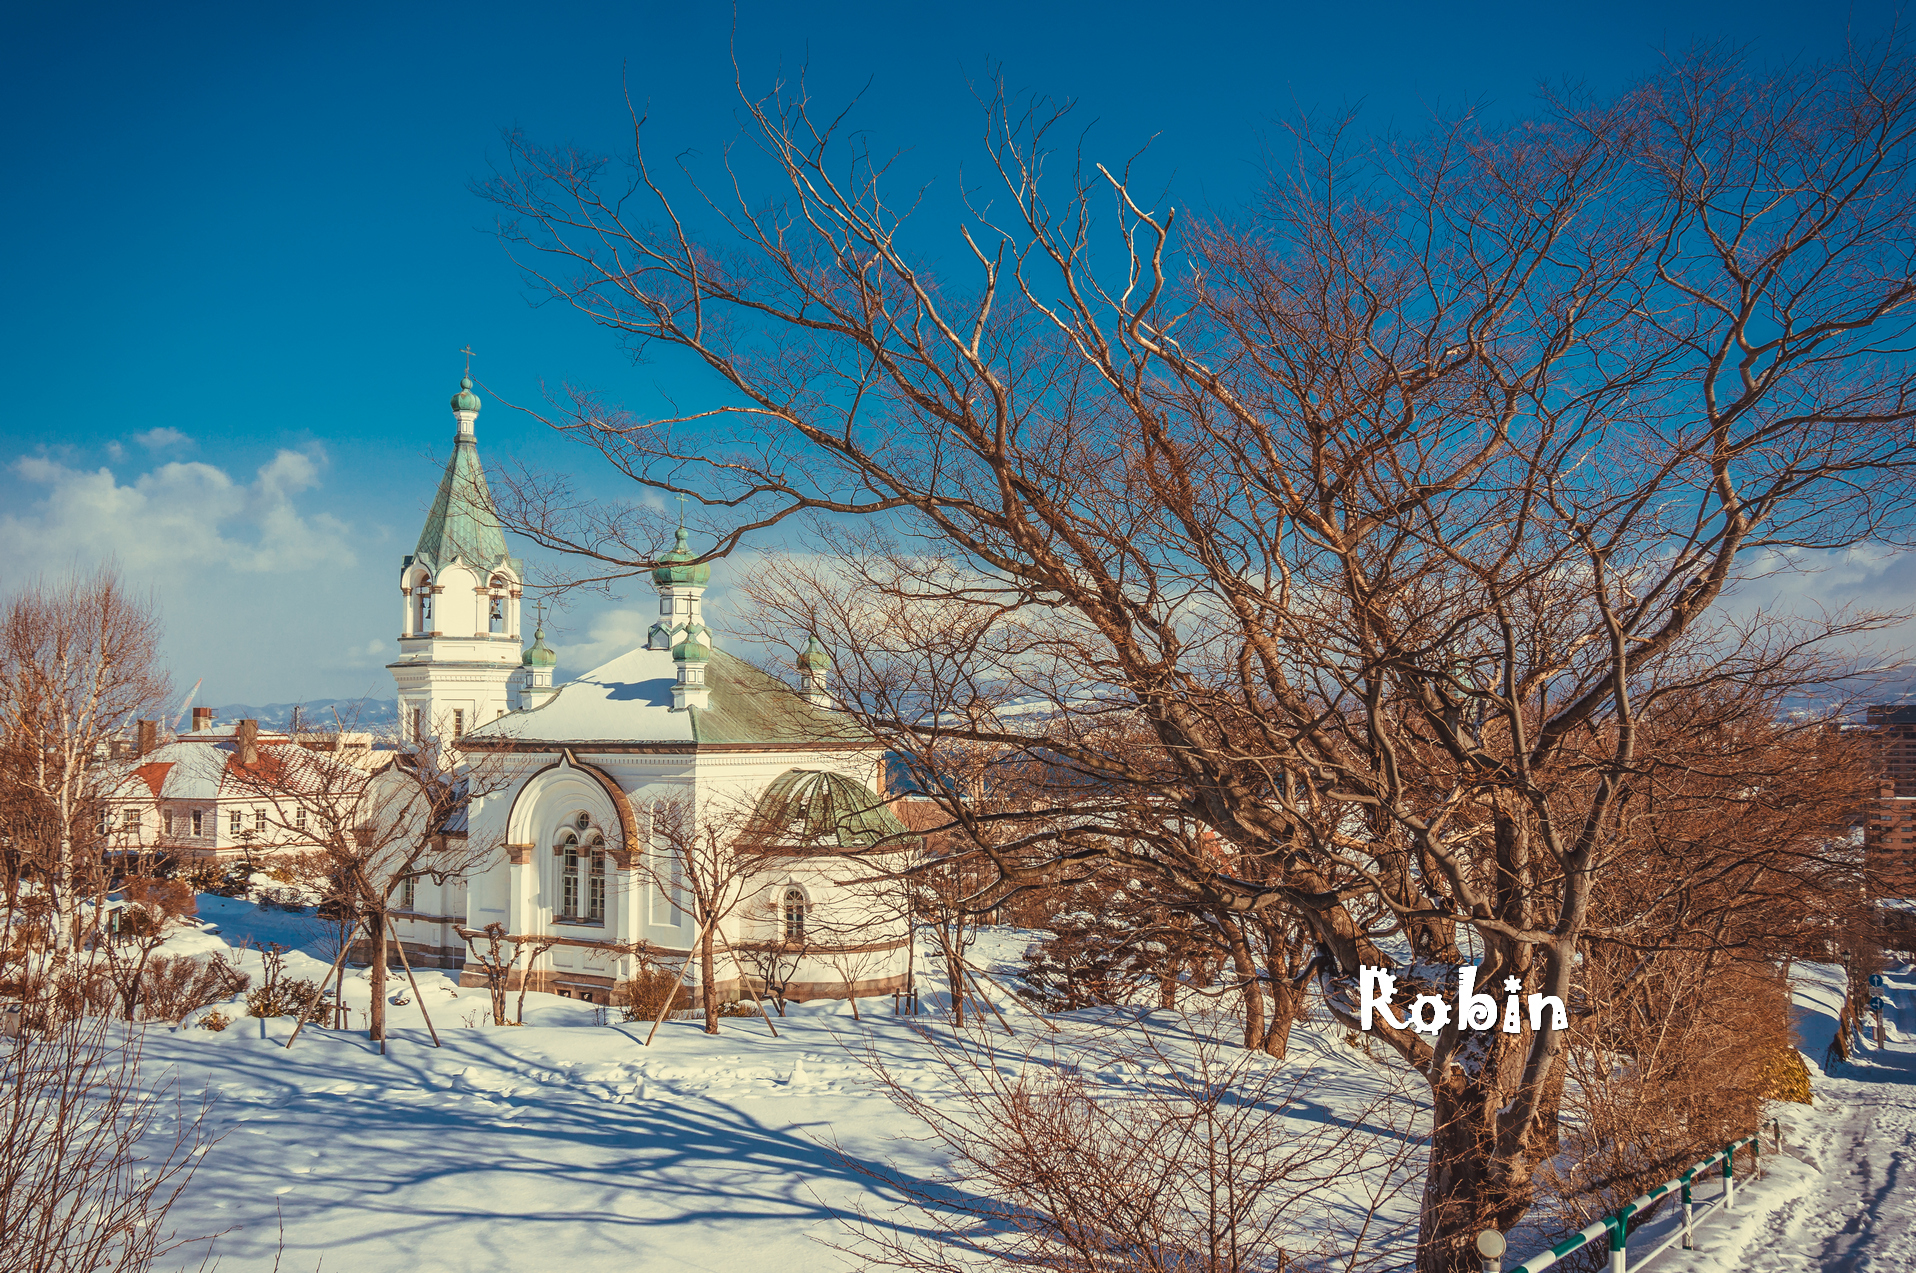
<point x="202" y="718"/>
<point x="149" y="736"/>
<point x="247" y="738"/>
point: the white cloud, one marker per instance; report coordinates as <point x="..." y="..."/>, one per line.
<point x="610" y="634"/>
<point x="177" y="517"/>
<point x="161" y="439"/>
<point x="370" y="655"/>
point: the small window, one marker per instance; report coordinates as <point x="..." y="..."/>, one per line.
<point x="103" y="822"/>
<point x="129" y="820"/>
<point x="235" y="820"/>
<point x="795" y="916"/>
<point x="458" y="722"/>
<point x="409" y="895"/>
<point x="569" y="878"/>
<point x="595" y="884"/>
<point x="166" y="820"/>
<point x="418" y="725"/>
<point x="259" y="819"/>
<point x="199" y="823"/>
<point x="299" y="817"/>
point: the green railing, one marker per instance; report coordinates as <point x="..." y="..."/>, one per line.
<point x="1615" y="1229"/>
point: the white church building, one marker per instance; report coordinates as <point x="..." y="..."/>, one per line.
<point x="582" y="788"/>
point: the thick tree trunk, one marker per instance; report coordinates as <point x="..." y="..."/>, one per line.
<point x="1468" y="1188"/>
<point x="707" y="966"/>
<point x="1286" y="1002"/>
<point x="377" y="973"/>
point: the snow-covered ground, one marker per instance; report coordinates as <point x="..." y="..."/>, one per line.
<point x="568" y="1145"/>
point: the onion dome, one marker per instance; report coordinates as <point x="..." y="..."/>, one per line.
<point x="813" y="657"/>
<point x="672" y="568"/>
<point x="694" y="647"/>
<point x="465" y="399"/>
<point x="539" y="654"/>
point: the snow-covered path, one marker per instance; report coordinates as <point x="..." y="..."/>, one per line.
<point x="1843" y="1200"/>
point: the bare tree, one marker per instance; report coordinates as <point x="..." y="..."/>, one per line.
<point x="1374" y="534"/>
<point x="1138" y="1151"/>
<point x="704" y="862"/>
<point x="495" y="962"/>
<point x="358" y="834"/>
<point x="80" y="662"/>
<point x="90" y="1162"/>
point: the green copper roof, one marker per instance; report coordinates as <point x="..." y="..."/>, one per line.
<point x="465" y="399"/>
<point x="539" y="654"/>
<point x="748" y="705"/>
<point x="811" y="810"/>
<point x="462" y="522"/>
<point x="669" y="571"/>
<point x="813" y="657"/>
<point x="693" y="648"/>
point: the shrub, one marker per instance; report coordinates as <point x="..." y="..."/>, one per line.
<point x="175" y="987"/>
<point x="1786" y="1078"/>
<point x="285" y="997"/>
<point x="644" y="996"/>
<point x="214" y="1021"/>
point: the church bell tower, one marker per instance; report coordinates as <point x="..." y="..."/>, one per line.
<point x="459" y="592"/>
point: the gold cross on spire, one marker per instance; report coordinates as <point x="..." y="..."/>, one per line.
<point x="467" y="351"/>
<point x="681" y="512"/>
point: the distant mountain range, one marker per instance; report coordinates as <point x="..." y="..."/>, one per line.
<point x="317" y="714"/>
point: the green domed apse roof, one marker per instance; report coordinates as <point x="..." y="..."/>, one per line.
<point x="813" y="810"/>
<point x="672" y="570"/>
<point x="465" y="399"/>
<point x="539" y="654"/>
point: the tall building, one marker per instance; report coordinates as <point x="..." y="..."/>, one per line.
<point x="459" y="628"/>
<point x="1890" y="852"/>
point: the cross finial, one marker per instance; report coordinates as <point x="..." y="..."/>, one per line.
<point x="467" y="351"/>
<point x="681" y="512"/>
<point x="540" y="608"/>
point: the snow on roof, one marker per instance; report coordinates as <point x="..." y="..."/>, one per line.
<point x="197" y="766"/>
<point x="629" y="700"/>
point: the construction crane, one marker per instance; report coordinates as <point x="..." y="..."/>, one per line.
<point x="175" y="726"/>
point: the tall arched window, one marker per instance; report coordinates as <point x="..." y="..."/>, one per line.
<point x="569" y="876"/>
<point x="595" y="880"/>
<point x="496" y="606"/>
<point x="794" y="914"/>
<point x="422" y="596"/>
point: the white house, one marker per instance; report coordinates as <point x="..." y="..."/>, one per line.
<point x="574" y="792"/>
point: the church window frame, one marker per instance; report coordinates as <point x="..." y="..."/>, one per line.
<point x="568" y="854"/>
<point x="422" y="605"/>
<point x="235" y="821"/>
<point x="794" y="913"/>
<point x="595" y="881"/>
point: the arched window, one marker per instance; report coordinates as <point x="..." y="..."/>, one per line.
<point x="794" y="914"/>
<point x="422" y="596"/>
<point x="496" y="606"/>
<point x="569" y="876"/>
<point x="595" y="880"/>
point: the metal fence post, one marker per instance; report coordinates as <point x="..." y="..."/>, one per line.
<point x="1729" y="1180"/>
<point x="1619" y="1228"/>
<point x="1689" y="1219"/>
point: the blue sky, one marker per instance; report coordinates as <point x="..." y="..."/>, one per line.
<point x="243" y="253"/>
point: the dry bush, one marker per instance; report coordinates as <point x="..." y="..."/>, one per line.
<point x="286" y="997"/>
<point x="1668" y="1066"/>
<point x="90" y="1164"/>
<point x="176" y="986"/>
<point x="643" y="996"/>
<point x="1130" y="1152"/>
